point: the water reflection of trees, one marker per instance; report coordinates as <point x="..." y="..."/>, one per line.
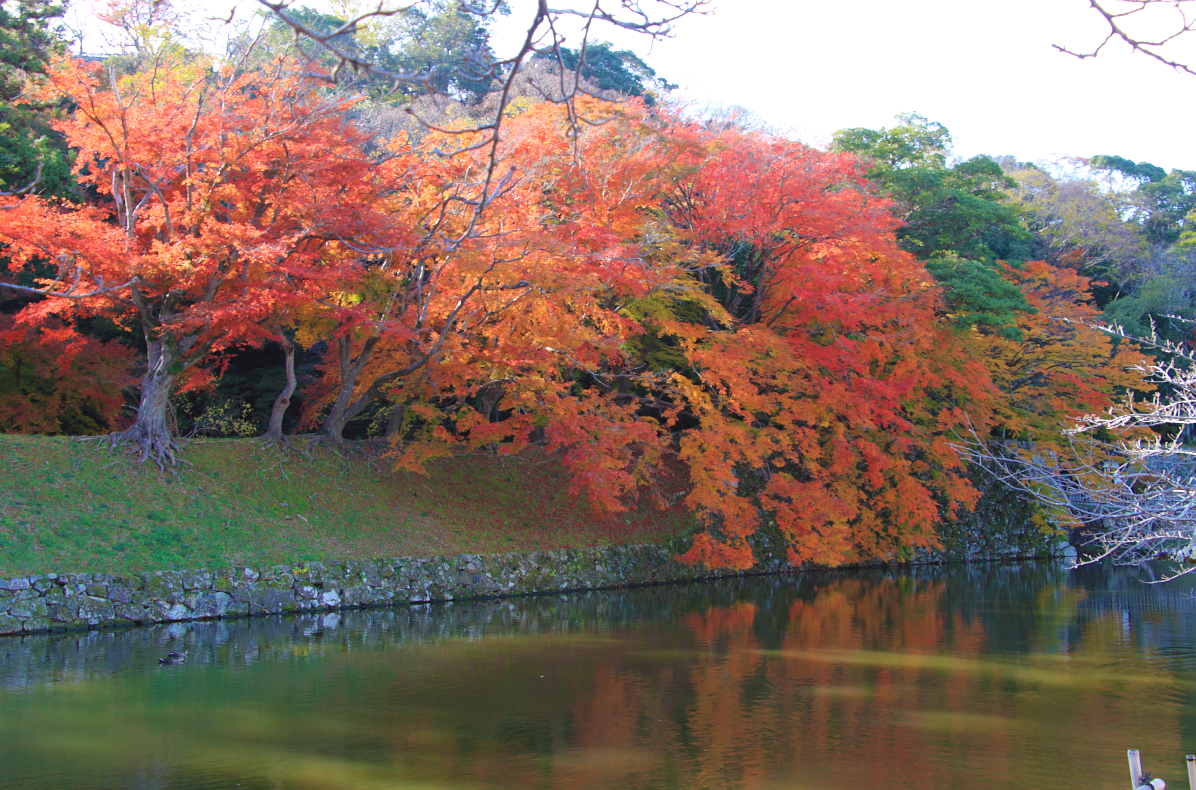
<point x="869" y="682"/>
<point x="980" y="677"/>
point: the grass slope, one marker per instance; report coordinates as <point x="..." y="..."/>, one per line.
<point x="69" y="506"/>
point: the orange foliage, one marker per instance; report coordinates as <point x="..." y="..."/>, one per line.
<point x="825" y="388"/>
<point x="219" y="197"/>
<point x="56" y="381"/>
<point x="1060" y="368"/>
<point x="647" y="296"/>
<point x="812" y="388"/>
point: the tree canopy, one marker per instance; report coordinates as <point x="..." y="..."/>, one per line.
<point x="799" y="335"/>
<point x="954" y="215"/>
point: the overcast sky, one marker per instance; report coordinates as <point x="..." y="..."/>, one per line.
<point x="985" y="70"/>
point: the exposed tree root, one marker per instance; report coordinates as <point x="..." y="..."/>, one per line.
<point x="158" y="446"/>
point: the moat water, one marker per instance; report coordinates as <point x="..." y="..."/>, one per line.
<point x="1029" y="676"/>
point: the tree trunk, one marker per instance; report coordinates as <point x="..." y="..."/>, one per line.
<point x="151" y="432"/>
<point x="343" y="408"/>
<point x="274" y="431"/>
<point x="395" y="423"/>
<point x="490" y="394"/>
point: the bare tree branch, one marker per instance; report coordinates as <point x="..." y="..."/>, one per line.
<point x="24" y="191"/>
<point x="655" y="19"/>
<point x="1183" y="22"/>
<point x="1135" y="498"/>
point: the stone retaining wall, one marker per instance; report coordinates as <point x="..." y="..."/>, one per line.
<point x="54" y="602"/>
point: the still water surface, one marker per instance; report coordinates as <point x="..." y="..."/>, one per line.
<point x="1021" y="677"/>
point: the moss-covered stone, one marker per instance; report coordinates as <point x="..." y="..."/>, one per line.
<point x="997" y="531"/>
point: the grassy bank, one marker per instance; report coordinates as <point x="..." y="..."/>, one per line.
<point x="68" y="506"/>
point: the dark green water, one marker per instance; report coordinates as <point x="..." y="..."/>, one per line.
<point x="989" y="677"/>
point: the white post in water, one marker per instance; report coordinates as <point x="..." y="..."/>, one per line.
<point x="1136" y="773"/>
<point x="1135" y="768"/>
<point x="1192" y="771"/>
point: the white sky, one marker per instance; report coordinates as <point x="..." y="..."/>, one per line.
<point x="985" y="70"/>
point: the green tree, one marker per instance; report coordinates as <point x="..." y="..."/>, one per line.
<point x="27" y="142"/>
<point x="447" y="46"/>
<point x="610" y="69"/>
<point x="1160" y="202"/>
<point x="948" y="209"/>
<point x="444" y="48"/>
<point x="955" y="215"/>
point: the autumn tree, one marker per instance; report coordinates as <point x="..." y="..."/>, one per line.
<point x="217" y="199"/>
<point x="1075" y="223"/>
<point x="654" y="291"/>
<point x="482" y="301"/>
<point x="781" y="335"/>
<point x="53" y="380"/>
<point x="820" y="379"/>
<point x="1058" y="367"/>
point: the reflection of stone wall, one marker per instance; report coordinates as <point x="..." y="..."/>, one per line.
<point x="996" y="595"/>
<point x="52" y="602"/>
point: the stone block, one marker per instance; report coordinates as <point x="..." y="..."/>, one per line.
<point x="126" y="581"/>
<point x="165" y="611"/>
<point x="163" y="587"/>
<point x="245" y="592"/>
<point x="119" y="593"/>
<point x="36" y="608"/>
<point x="96" y="610"/>
<point x="212" y="604"/>
<point x="9" y="624"/>
<point x="273" y="601"/>
<point x="281" y="582"/>
<point x="358" y="595"/>
<point x="237" y="609"/>
<point x="133" y="613"/>
<point x="330" y="598"/>
<point x="198" y="580"/>
<point x="16" y="585"/>
<point x="65" y="612"/>
<point x="97" y="590"/>
<point x="35" y="625"/>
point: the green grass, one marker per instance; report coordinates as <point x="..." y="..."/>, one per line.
<point x="70" y="506"/>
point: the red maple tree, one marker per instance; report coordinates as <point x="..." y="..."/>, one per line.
<point x="217" y="199"/>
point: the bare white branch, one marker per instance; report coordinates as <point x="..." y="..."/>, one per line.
<point x="1182" y="22"/>
<point x="1134" y="498"/>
